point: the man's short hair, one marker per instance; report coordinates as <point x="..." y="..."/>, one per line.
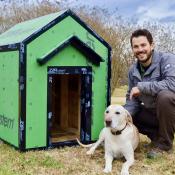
<point x="142" y="32"/>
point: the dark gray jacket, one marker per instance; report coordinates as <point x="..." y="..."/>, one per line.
<point x="159" y="76"/>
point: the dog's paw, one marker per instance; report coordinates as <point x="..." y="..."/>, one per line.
<point x="107" y="170"/>
<point x="90" y="152"/>
<point x="124" y="173"/>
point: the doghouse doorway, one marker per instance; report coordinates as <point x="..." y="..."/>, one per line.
<point x="69" y="97"/>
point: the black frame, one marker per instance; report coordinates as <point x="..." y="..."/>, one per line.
<point x="22" y="96"/>
<point x="85" y="106"/>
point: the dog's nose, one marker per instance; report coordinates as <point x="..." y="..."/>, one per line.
<point x="108" y="123"/>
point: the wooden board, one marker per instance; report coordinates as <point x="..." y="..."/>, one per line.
<point x="64" y="135"/>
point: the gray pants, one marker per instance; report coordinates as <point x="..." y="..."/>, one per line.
<point x="158" y="124"/>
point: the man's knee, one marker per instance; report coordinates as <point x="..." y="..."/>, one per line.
<point x="164" y="97"/>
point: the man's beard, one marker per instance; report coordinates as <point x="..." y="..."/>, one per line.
<point x="148" y="58"/>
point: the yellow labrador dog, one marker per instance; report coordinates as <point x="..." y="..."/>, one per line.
<point x="120" y="138"/>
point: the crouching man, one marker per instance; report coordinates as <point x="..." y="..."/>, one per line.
<point x="150" y="98"/>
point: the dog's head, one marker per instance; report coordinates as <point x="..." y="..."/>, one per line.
<point x="116" y="117"/>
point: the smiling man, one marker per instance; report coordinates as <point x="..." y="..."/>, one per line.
<point x="150" y="98"/>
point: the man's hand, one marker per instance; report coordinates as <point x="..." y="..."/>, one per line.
<point x="135" y="92"/>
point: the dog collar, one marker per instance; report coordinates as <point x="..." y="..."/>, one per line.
<point x="119" y="131"/>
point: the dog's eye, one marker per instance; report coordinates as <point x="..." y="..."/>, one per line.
<point x="117" y="112"/>
<point x="107" y="112"/>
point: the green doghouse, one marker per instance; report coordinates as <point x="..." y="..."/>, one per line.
<point x="54" y="82"/>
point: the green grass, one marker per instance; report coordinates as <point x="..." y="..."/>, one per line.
<point x="13" y="162"/>
<point x="73" y="160"/>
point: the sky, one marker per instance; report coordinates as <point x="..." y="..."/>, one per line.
<point x="162" y="11"/>
<point x="140" y="10"/>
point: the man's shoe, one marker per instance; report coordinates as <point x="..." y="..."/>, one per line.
<point x="157" y="153"/>
<point x="154" y="153"/>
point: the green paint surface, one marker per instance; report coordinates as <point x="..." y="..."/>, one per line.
<point x="36" y="127"/>
<point x="22" y="30"/>
<point x="9" y="96"/>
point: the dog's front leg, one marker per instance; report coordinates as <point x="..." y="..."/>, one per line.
<point x="108" y="163"/>
<point x="129" y="156"/>
<point x="97" y="143"/>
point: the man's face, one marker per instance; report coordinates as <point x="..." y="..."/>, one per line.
<point x="142" y="49"/>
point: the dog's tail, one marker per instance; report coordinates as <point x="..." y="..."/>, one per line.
<point x="83" y="145"/>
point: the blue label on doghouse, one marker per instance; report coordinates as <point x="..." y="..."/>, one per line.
<point x="87" y="137"/>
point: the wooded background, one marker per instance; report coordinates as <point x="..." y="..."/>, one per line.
<point x="116" y="31"/>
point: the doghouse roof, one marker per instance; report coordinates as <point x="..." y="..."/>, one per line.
<point x="29" y="30"/>
<point x="23" y="30"/>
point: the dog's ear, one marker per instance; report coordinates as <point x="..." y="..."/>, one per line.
<point x="129" y="118"/>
